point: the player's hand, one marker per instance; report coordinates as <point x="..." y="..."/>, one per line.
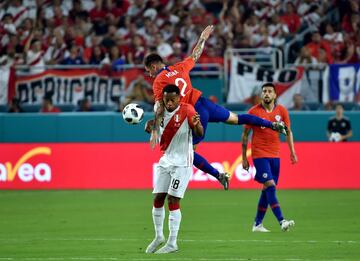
<point x="293" y="158"/>
<point x="207" y="31"/>
<point x="149" y="126"/>
<point x="153" y="139"/>
<point x="245" y="164"/>
<point x="196" y="119"/>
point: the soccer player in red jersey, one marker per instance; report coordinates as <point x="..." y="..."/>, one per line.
<point x="265" y="151"/>
<point x="175" y="166"/>
<point x="178" y="74"/>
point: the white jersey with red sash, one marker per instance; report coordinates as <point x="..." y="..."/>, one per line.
<point x="176" y="137"/>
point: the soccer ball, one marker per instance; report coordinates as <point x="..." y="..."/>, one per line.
<point x="133" y="113"/>
<point x="335" y="137"/>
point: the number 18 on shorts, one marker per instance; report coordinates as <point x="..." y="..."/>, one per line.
<point x="172" y="180"/>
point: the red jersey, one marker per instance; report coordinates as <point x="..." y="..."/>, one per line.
<point x="177" y="74"/>
<point x="265" y="142"/>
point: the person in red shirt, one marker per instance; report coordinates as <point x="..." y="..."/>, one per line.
<point x="178" y="74"/>
<point x="48" y="107"/>
<point x="265" y="150"/>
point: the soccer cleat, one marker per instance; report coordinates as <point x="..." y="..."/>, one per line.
<point x="224" y="180"/>
<point x="280" y="127"/>
<point x="286" y="224"/>
<point x="259" y="228"/>
<point x="167" y="249"/>
<point x="154" y="245"/>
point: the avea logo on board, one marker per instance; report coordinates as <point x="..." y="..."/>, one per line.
<point x="26" y="171"/>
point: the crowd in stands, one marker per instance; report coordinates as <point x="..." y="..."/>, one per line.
<point x="118" y="32"/>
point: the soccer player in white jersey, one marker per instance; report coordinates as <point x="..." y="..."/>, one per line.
<point x="175" y="166"/>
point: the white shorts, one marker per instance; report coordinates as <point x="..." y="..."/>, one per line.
<point x="172" y="180"/>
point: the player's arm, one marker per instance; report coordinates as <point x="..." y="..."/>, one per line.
<point x="290" y="142"/>
<point x="199" y="47"/>
<point x="198" y="128"/>
<point x="244" y="142"/>
<point x="159" y="111"/>
<point x="289" y="137"/>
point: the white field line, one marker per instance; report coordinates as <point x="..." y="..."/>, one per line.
<point x="190" y="240"/>
<point x="136" y="259"/>
<point x="146" y="259"/>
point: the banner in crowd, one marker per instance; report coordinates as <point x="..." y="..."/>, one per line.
<point x="246" y="80"/>
<point x="132" y="166"/>
<point x="344" y="83"/>
<point x="70" y="86"/>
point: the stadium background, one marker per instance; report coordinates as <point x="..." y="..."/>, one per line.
<point x="46" y="158"/>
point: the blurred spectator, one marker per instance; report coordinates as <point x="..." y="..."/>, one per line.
<point x="178" y="55"/>
<point x="136" y="51"/>
<point x="291" y="18"/>
<point x="162" y="48"/>
<point x="299" y="103"/>
<point x="47" y="106"/>
<point x="14" y="106"/>
<point x="115" y="59"/>
<point x="318" y="43"/>
<point x="97" y="55"/>
<point x="34" y="56"/>
<point x="339" y="127"/>
<point x="74" y="57"/>
<point x="85" y="105"/>
<point x="305" y="57"/>
<point x="140" y="92"/>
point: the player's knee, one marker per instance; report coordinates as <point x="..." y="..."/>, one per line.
<point x="159" y="200"/>
<point x="233" y="118"/>
<point x="269" y="183"/>
<point x="173" y="202"/>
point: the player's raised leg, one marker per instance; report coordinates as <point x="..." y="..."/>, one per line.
<point x="202" y="164"/>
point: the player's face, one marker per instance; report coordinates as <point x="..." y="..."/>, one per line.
<point x="171" y="101"/>
<point x="151" y="70"/>
<point x="268" y="95"/>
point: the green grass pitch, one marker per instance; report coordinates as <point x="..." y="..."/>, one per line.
<point x="216" y="225"/>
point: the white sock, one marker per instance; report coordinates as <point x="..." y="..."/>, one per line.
<point x="174" y="225"/>
<point x="158" y="215"/>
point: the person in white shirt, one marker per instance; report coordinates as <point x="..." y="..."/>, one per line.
<point x="175" y="166"/>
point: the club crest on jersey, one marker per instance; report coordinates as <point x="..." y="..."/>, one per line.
<point x="278" y="117"/>
<point x="177" y="120"/>
<point x="265" y="175"/>
<point x="177" y="117"/>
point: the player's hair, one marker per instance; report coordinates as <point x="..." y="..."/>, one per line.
<point x="268" y="84"/>
<point x="152" y="58"/>
<point x="171" y="88"/>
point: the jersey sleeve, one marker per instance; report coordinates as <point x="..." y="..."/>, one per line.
<point x="157" y="89"/>
<point x="187" y="64"/>
<point x="190" y="114"/>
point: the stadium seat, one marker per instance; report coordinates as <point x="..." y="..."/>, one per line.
<point x="3" y="108"/>
<point x="314" y="106"/>
<point x="348" y="106"/>
<point x="31" y="107"/>
<point x="237" y="106"/>
<point x="99" y="107"/>
<point x="66" y="107"/>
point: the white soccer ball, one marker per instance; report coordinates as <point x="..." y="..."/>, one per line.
<point x="133" y="113"/>
<point x="335" y="137"/>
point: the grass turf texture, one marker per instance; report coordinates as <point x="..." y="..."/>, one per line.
<point x="216" y="225"/>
